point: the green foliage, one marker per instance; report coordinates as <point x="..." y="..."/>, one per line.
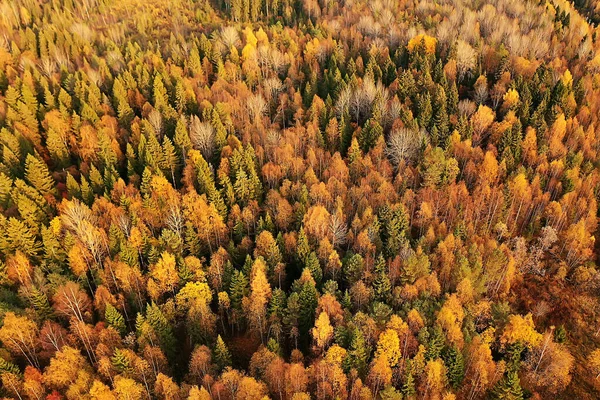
<point x="114" y="318"/>
<point x="221" y="354"/>
<point x="455" y="172"/>
<point x="455" y="367"/>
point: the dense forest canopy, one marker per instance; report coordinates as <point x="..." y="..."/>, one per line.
<point x="299" y="199"/>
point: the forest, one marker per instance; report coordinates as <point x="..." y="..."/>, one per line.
<point x="299" y="199"/>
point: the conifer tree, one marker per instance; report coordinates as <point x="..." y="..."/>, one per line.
<point x="358" y="353"/>
<point x="238" y="288"/>
<point x="40" y="303"/>
<point x="455" y="367"/>
<point x="162" y="328"/>
<point x="408" y="387"/>
<point x="312" y="263"/>
<point x="73" y="187"/>
<point x="381" y="285"/>
<point x="181" y="139"/>
<point x="38" y="175"/>
<point x="20" y="237"/>
<point x="114" y="318"/>
<point x="171" y="163"/>
<point x="5" y="188"/>
<point x="509" y="387"/>
<point x="303" y="247"/>
<point x="436" y="344"/>
<point x="221" y="354"/>
<point x="121" y="361"/>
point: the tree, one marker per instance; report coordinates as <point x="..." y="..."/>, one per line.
<point x="202" y="137"/>
<point x="163" y="277"/>
<point x="380" y="373"/>
<point x="19" y="335"/>
<point x="466" y="59"/>
<point x="166" y="388"/>
<point x="65" y="368"/>
<point x="435" y="378"/>
<point x="427" y="42"/>
<point x="322" y="332"/>
<point x="450" y="318"/>
<point x="404" y="144"/>
<point x="316" y="222"/>
<point x="455" y="368"/>
<point x="194" y="299"/>
<point x="382" y="285"/>
<point x="594" y="362"/>
<point x="222" y="355"/>
<point x="388" y="346"/>
<point x="155" y="328"/>
<point x="520" y="330"/>
<point x="509" y="387"/>
<point x="38" y="175"/>
<point x="198" y="394"/>
<point x="114" y="318"/>
<point x="358" y="353"/>
<point x="408" y="387"/>
<point x="71" y="301"/>
<point x="260" y="293"/>
<point x="99" y="391"/>
<point x="21" y="237"/>
<point x="126" y="388"/>
<point x="480" y="122"/>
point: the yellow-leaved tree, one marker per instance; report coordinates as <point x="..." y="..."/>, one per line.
<point x="323" y="331"/>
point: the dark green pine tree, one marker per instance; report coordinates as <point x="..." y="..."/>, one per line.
<point x="509" y="387"/>
<point x="525" y="104"/>
<point x="192" y="239"/>
<point x="308" y="297"/>
<point x="292" y="316"/>
<point x="440" y="116"/>
<point x="369" y="134"/>
<point x="358" y="353"/>
<point x="395" y="223"/>
<point x="382" y="286"/>
<point x="114" y="318"/>
<point x="346" y="300"/>
<point x="222" y="355"/>
<point x="238" y="288"/>
<point x="345" y="133"/>
<point x="560" y="334"/>
<point x="424" y="110"/>
<point x="220" y="130"/>
<point x="163" y="329"/>
<point x="247" y="267"/>
<point x="312" y="263"/>
<point x="435" y="344"/>
<point x="455" y="366"/>
<point x="453" y="99"/>
<point x="277" y="312"/>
